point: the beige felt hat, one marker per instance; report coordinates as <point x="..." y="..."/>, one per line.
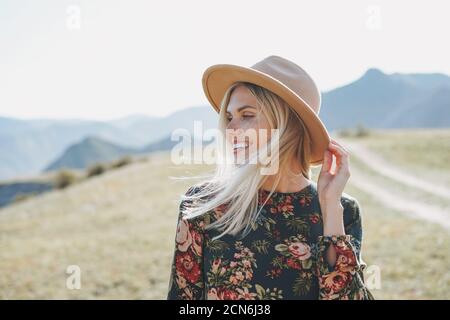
<point x="282" y="77"/>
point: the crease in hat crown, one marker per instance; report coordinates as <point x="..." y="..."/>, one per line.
<point x="292" y="76"/>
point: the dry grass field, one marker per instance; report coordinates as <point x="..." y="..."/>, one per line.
<point x="119" y="227"/>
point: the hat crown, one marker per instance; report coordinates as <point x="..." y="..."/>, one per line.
<point x="292" y="76"/>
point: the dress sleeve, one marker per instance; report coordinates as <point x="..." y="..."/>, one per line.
<point x="344" y="281"/>
<point x="186" y="276"/>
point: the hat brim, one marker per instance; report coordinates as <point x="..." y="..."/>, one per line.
<point x="218" y="78"/>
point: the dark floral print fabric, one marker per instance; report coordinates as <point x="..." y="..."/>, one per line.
<point x="283" y="257"/>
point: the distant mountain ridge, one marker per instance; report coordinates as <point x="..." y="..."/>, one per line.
<point x="89" y="151"/>
<point x="93" y="150"/>
<point x="30" y="146"/>
<point x="379" y="100"/>
<point x="376" y="100"/>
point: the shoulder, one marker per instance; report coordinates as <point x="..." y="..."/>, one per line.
<point x="352" y="210"/>
<point x="187" y="203"/>
<point x="349" y="201"/>
<point x="194" y="189"/>
<point x="191" y="191"/>
<point x="352" y="216"/>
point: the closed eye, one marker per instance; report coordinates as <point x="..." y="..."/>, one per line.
<point x="245" y="116"/>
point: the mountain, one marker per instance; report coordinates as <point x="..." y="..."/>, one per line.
<point x="89" y="151"/>
<point x="379" y="100"/>
<point x="9" y="192"/>
<point x="376" y="100"/>
<point x="152" y="129"/>
<point x="30" y="146"/>
<point x="92" y="150"/>
<point x="432" y="112"/>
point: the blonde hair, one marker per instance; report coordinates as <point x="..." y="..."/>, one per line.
<point x="238" y="186"/>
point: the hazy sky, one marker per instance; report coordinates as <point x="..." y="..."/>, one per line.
<point x="107" y="59"/>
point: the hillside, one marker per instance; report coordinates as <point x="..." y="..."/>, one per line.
<point x="95" y="150"/>
<point x="119" y="228"/>
<point x="30" y="146"/>
<point x="89" y="151"/>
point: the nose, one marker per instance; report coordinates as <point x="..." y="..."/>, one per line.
<point x="233" y="125"/>
<point x="234" y="132"/>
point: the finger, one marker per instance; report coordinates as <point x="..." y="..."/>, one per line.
<point x="336" y="149"/>
<point x="327" y="161"/>
<point x="341" y="157"/>
<point x="339" y="144"/>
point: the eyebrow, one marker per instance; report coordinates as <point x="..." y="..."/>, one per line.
<point x="243" y="107"/>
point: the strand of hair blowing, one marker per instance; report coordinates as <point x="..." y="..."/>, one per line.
<point x="237" y="186"/>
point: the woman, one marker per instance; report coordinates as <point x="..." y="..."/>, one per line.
<point x="263" y="229"/>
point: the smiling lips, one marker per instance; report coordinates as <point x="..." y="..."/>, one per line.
<point x="239" y="146"/>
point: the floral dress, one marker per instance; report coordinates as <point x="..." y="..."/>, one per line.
<point x="283" y="256"/>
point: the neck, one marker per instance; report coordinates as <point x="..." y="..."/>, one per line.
<point x="287" y="183"/>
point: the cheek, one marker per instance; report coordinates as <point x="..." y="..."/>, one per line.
<point x="240" y="127"/>
<point x="260" y="126"/>
<point x="263" y="132"/>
